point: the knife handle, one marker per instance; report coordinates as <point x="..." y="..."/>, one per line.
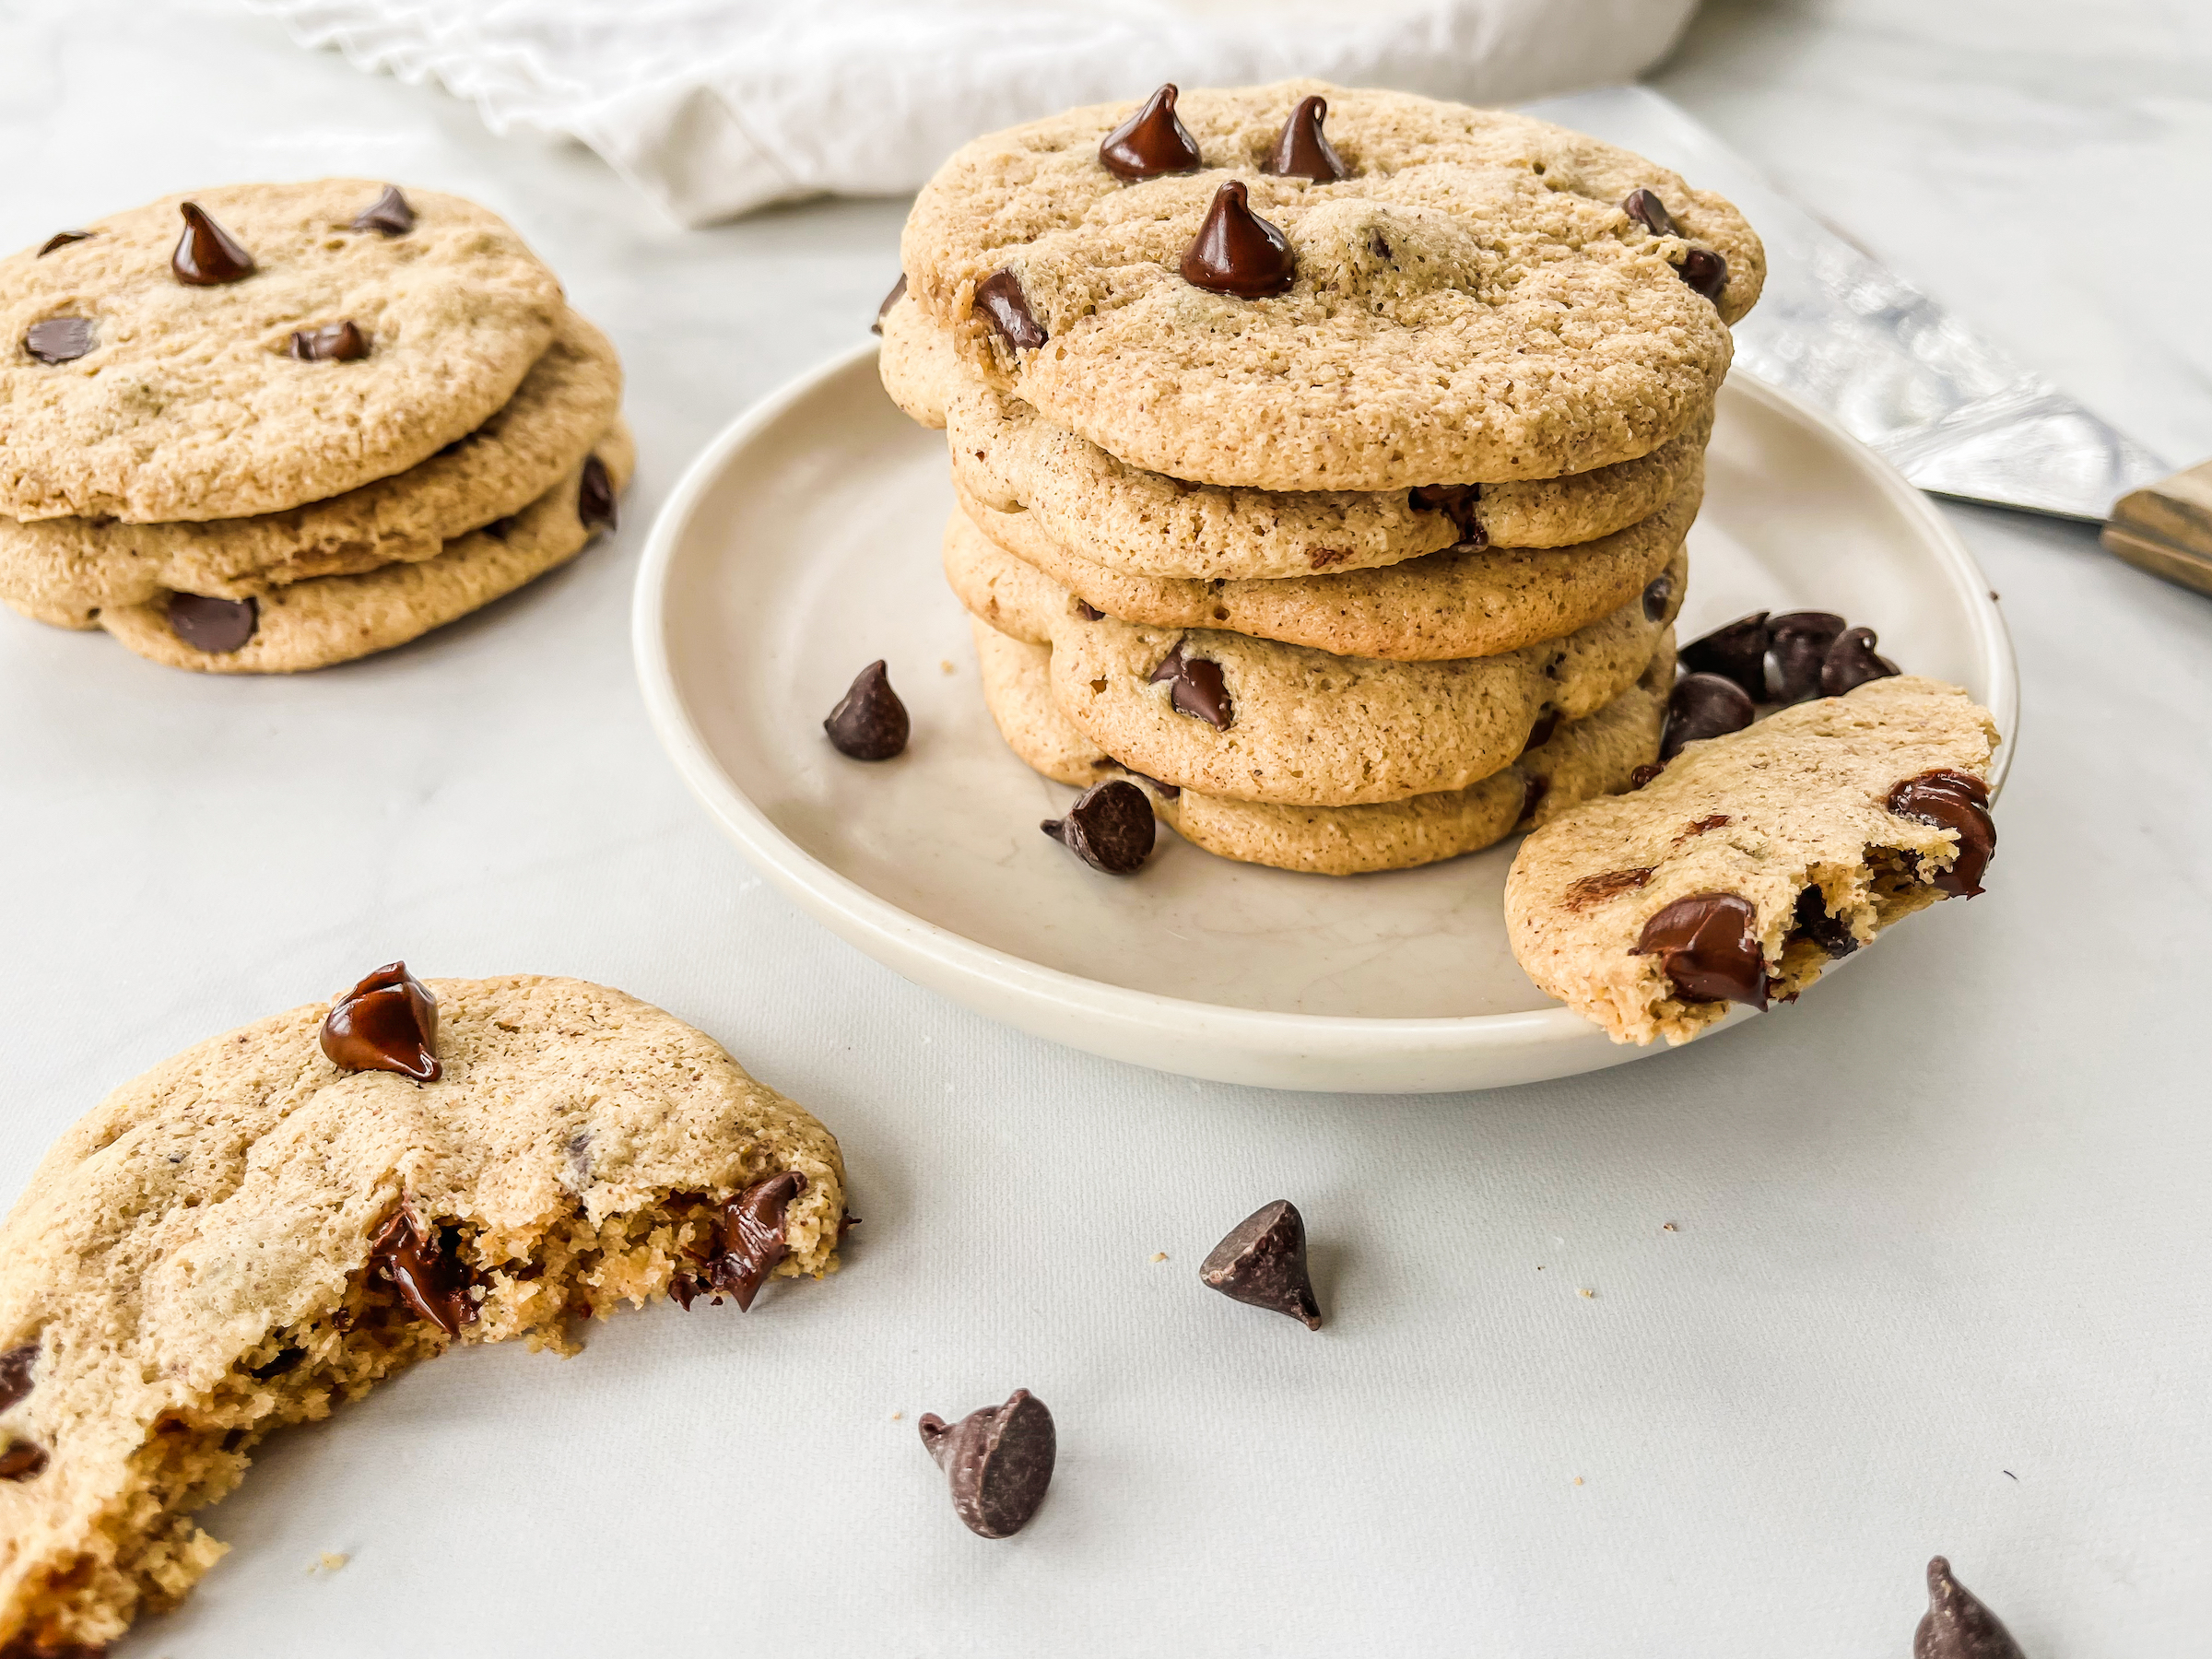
<point x="2167" y="528"/>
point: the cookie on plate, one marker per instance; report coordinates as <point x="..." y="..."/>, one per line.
<point x="273" y="1220"/>
<point x="917" y="362"/>
<point x="1422" y="293"/>
<point x="1756" y="859"/>
<point x="247" y="348"/>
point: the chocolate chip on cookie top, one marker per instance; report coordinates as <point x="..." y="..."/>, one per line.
<point x="1645" y="208"/>
<point x="1302" y="150"/>
<point x="207" y="255"/>
<point x="389" y="215"/>
<point x="59" y="339"/>
<point x="1708" y="947"/>
<point x="388" y="1022"/>
<point x="332" y="343"/>
<point x="1152" y="142"/>
<point x="1236" y="251"/>
<point x="62" y="239"/>
<point x="1002" y="304"/>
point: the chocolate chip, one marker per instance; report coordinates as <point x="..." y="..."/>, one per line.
<point x="59" y="339"/>
<point x="1261" y="1260"/>
<point x="1703" y="706"/>
<point x="16" y="1366"/>
<point x="1532" y="796"/>
<point x="1456" y="503"/>
<point x="1088" y="612"/>
<point x="388" y="1022"/>
<point x="1708" y="946"/>
<point x="1303" y="151"/>
<point x="1657" y="595"/>
<point x="500" y="529"/>
<point x="21" y="1461"/>
<point x="218" y="627"/>
<point x="997" y="1460"/>
<point x="1152" y="142"/>
<point x="1953" y="801"/>
<point x="1956" y="1626"/>
<point x="332" y="343"/>
<point x="1540" y="733"/>
<point x="1586" y="890"/>
<point x="1007" y="308"/>
<point x="1110" y="828"/>
<point x="62" y="239"/>
<point x="1851" y="661"/>
<point x="752" y="1237"/>
<point x="898" y="293"/>
<point x="1736" y="650"/>
<point x="1235" y="252"/>
<point x="1706" y="271"/>
<point x="1195" y="687"/>
<point x="207" y="256"/>
<point x="1645" y="773"/>
<point x="389" y="215"/>
<point x="596" y="496"/>
<point x="1832" y="934"/>
<point x="1801" y="640"/>
<point x="1645" y="208"/>
<point x="426" y="1268"/>
<point x="869" y="721"/>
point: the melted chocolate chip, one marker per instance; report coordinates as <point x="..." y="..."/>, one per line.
<point x="1851" y="661"/>
<point x="1238" y="252"/>
<point x="898" y="293"/>
<point x="1152" y="142"/>
<point x="426" y="1269"/>
<point x="997" y="1461"/>
<point x="752" y="1237"/>
<point x="62" y="239"/>
<point x="21" y="1461"/>
<point x="207" y="256"/>
<point x="1645" y="208"/>
<point x="1703" y="706"/>
<point x="1007" y="308"/>
<point x="1956" y="1626"/>
<point x="869" y="721"/>
<point x="1708" y="946"/>
<point x="16" y="1366"/>
<point x="1540" y="733"/>
<point x="1261" y="1260"/>
<point x="1303" y="151"/>
<point x="389" y="215"/>
<point x="1736" y="650"/>
<point x="388" y="1022"/>
<point x="59" y="339"/>
<point x="1110" y="828"/>
<point x="1658" y="593"/>
<point x="1586" y="890"/>
<point x="596" y="496"/>
<point x="1953" y="801"/>
<point x="1706" y="271"/>
<point x="1832" y="934"/>
<point x="332" y="343"/>
<point x="219" y="627"/>
<point x="1456" y="503"/>
<point x="1195" y="687"/>
<point x="1801" y="640"/>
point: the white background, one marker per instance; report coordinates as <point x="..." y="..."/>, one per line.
<point x="1944" y="1219"/>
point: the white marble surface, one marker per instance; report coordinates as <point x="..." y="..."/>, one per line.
<point x="1938" y="1281"/>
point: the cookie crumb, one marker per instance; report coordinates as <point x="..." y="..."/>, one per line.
<point x="1586" y="1291"/>
<point x="330" y="1560"/>
<point x="1160" y="1255"/>
<point x="1578" y="1481"/>
<point x="944" y="663"/>
<point x="898" y="1416"/>
<point x="1668" y="1227"/>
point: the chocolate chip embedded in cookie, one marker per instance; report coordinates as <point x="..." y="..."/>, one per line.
<point x="387" y="1022"/>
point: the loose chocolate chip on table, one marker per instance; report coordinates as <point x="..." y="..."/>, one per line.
<point x="1703" y="706"/>
<point x="16" y="1366"/>
<point x="1238" y="252"/>
<point x="596" y="496"/>
<point x="1303" y="151"/>
<point x="388" y="1022"/>
<point x="997" y="1460"/>
<point x="1261" y="1260"/>
<point x="1832" y="934"/>
<point x="21" y="1460"/>
<point x="59" y="339"/>
<point x="869" y="721"/>
<point x="1110" y="828"/>
<point x="1850" y="663"/>
<point x="1706" y="271"/>
<point x="219" y="627"/>
<point x="752" y="1237"/>
<point x="207" y="256"/>
<point x="1956" y="1626"/>
<point x="1152" y="142"/>
<point x="62" y="239"/>
<point x="429" y="1274"/>
<point x="1645" y="208"/>
<point x="1007" y="308"/>
<point x="1195" y="687"/>
<point x="1801" y="640"/>
<point x="1657" y="594"/>
<point x="389" y="215"/>
<point x="332" y="343"/>
<point x="898" y="293"/>
<point x="1953" y="801"/>
<point x="1735" y="650"/>
<point x="1456" y="503"/>
<point x="1708" y="946"/>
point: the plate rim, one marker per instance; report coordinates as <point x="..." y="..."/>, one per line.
<point x="817" y="889"/>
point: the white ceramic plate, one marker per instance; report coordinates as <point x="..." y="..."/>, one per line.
<point x="804" y="543"/>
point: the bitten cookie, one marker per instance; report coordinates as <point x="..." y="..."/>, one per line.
<point x="149" y="369"/>
<point x="1452" y="296"/>
<point x="66" y="570"/>
<point x="1756" y="859"/>
<point x="265" y="1225"/>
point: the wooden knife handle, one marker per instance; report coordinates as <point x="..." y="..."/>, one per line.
<point x="2167" y="529"/>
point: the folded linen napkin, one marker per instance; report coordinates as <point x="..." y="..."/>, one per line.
<point x="716" y="106"/>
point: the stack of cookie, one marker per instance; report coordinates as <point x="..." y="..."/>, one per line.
<point x="1324" y="457"/>
<point x="274" y="427"/>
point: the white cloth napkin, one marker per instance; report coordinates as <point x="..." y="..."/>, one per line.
<point x="716" y="106"/>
